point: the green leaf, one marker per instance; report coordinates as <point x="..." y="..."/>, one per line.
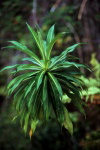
<point x="56" y="61"/>
<point x="24" y="49"/>
<point x="34" y="124"/>
<point x="36" y="104"/>
<point x="70" y="78"/>
<point x="32" y="98"/>
<point x="65" y="99"/>
<point x="29" y="87"/>
<point x="45" y="99"/>
<point x="45" y="48"/>
<point x="57" y="104"/>
<point x="18" y="101"/>
<point x="71" y="48"/>
<point x="41" y="41"/>
<point x="25" y="67"/>
<point x="17" y="80"/>
<point x="26" y="122"/>
<point x="39" y="79"/>
<point x="77" y="102"/>
<point x="51" y="44"/>
<point x="68" y="123"/>
<point x="31" y="60"/>
<point x="56" y="83"/>
<point x="63" y="55"/>
<point x="37" y="39"/>
<point x="66" y="63"/>
<point x="60" y="67"/>
<point x="50" y="35"/>
<point x="9" y="67"/>
<point x="19" y="93"/>
<point x="22" y="117"/>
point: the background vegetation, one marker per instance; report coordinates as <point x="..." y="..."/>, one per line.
<point x="81" y="19"/>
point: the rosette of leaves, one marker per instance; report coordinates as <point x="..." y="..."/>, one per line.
<point x="38" y="86"/>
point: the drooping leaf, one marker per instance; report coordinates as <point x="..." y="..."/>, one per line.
<point x="29" y="87"/>
<point x="76" y="101"/>
<point x="33" y="127"/>
<point x="45" y="99"/>
<point x="67" y="122"/>
<point x="9" y="67"/>
<point x="39" y="79"/>
<point x="56" y="83"/>
<point x="57" y="104"/>
<point x="26" y="122"/>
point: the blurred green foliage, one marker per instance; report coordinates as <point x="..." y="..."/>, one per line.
<point x="92" y="83"/>
<point x="13" y="15"/>
<point x="51" y="135"/>
<point x="61" y="16"/>
<point x="11" y="136"/>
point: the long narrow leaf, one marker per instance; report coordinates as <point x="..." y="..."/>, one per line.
<point x="56" y="83"/>
<point x="45" y="101"/>
<point x="39" y="79"/>
<point x="67" y="122"/>
<point x="24" y="49"/>
<point x="51" y="44"/>
<point x="50" y="34"/>
<point x="9" y="67"/>
<point x="34" y="34"/>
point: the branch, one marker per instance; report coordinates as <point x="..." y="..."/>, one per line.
<point x="81" y="9"/>
<point x="55" y="6"/>
<point x="33" y="17"/>
<point x="77" y="40"/>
